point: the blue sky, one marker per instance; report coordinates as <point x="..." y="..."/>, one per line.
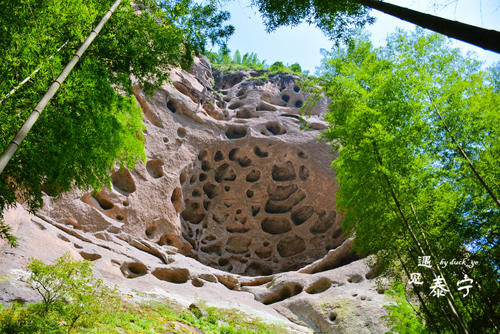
<point x="302" y="44"/>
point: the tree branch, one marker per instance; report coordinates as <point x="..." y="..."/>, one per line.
<point x="483" y="38"/>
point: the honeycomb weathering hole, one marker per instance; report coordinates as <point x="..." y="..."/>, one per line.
<point x="254" y="209"/>
<point x="273" y="225"/>
<point x="197" y="282"/>
<point x="99" y="201"/>
<point x="319" y="286"/>
<point x="133" y="269"/>
<point x="171" y="106"/>
<point x="285" y="292"/>
<point x="181" y="132"/>
<point x="155" y="168"/>
<point x="275" y="128"/>
<point x="291" y="245"/>
<point x="355" y="278"/>
<point x="104" y="203"/>
<point x="172" y="275"/>
<point x="176" y="198"/>
<point x="184" y="90"/>
<point x="236" y="131"/>
<point x="123" y="181"/>
<point x="90" y="256"/>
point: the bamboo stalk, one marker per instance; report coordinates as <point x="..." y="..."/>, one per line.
<point x="14" y="144"/>
<point x="488" y="303"/>
<point x="449" y="297"/>
<point x="465" y="156"/>
<point x="417" y="290"/>
<point x="29" y="76"/>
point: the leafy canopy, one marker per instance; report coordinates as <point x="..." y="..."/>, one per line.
<point x="399" y="116"/>
<point x="93" y="122"/>
<point x="402" y="316"/>
<point x="223" y="61"/>
<point x="70" y="288"/>
<point x="338" y="19"/>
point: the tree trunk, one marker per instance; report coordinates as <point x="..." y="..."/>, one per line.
<point x="483" y="38"/>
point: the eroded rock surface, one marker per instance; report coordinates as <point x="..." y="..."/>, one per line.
<point x="258" y="207"/>
<point x="235" y="205"/>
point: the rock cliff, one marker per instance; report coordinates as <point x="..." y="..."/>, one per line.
<point x="235" y="205"/>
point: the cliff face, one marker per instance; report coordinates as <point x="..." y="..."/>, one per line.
<point x="235" y="205"/>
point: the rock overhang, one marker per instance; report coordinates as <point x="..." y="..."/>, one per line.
<point x="258" y="207"/>
<point x="162" y="225"/>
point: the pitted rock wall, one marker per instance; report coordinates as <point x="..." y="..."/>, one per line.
<point x="257" y="207"/>
<point x="232" y="188"/>
<point x="230" y="178"/>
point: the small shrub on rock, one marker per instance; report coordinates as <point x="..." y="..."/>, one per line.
<point x="70" y="292"/>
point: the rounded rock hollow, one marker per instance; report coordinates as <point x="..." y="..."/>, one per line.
<point x="258" y="207"/>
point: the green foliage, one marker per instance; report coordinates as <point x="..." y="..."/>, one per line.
<point x="402" y="316"/>
<point x="93" y="122"/>
<point x="223" y="61"/>
<point x="71" y="290"/>
<point x="72" y="298"/>
<point x="296" y="68"/>
<point x="19" y="319"/>
<point x="495" y="76"/>
<point x="6" y="234"/>
<point x="396" y="117"/>
<point x="338" y="19"/>
<point x="277" y="66"/>
<point x="75" y="301"/>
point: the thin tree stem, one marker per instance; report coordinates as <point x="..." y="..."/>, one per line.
<point x="417" y="290"/>
<point x="435" y="259"/>
<point x="469" y="162"/>
<point x="449" y="297"/>
<point x="29" y="76"/>
<point x="14" y="144"/>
